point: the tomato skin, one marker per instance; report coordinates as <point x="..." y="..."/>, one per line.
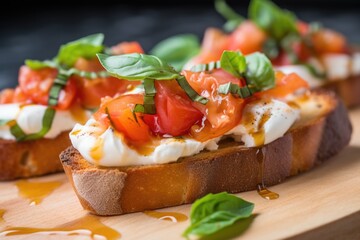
<point x="223" y="112"/>
<point x="89" y="65"/>
<point x="7" y="96"/>
<point x="285" y="84"/>
<point x="247" y="38"/>
<point x="214" y="43"/>
<point x="127" y="47"/>
<point x="90" y="91"/>
<point x="35" y="85"/>
<point x="329" y="41"/>
<point x="119" y="112"/>
<point x="175" y="114"/>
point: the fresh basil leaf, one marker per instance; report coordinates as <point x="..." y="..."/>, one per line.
<point x="177" y="50"/>
<point x="206" y="67"/>
<point x="234" y="19"/>
<point x="58" y="84"/>
<point x="35" y="64"/>
<point x="259" y="74"/>
<point x="272" y="19"/>
<point x="137" y="66"/>
<point x="233" y="63"/>
<point x="236" y="90"/>
<point x="86" y="47"/>
<point x="47" y="121"/>
<point x="215" y="212"/>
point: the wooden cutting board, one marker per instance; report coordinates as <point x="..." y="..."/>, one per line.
<point x="321" y="204"/>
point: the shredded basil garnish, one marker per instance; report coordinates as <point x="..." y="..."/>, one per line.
<point x="236" y="90"/>
<point x="149" y="98"/>
<point x="206" y="67"/>
<point x="192" y="94"/>
<point x="47" y="121"/>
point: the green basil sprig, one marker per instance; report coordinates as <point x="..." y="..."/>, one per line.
<point x="177" y="50"/>
<point x="255" y="68"/>
<point x="215" y="212"/>
<point x="86" y="47"/>
<point x="275" y="21"/>
<point x="47" y="121"/>
<point x="233" y="18"/>
<point x="146" y="68"/>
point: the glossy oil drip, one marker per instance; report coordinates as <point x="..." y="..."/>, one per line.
<point x="2" y="212"/>
<point x="86" y="226"/>
<point x="97" y="151"/>
<point x="36" y="191"/>
<point x="167" y="216"/>
<point x="261" y="188"/>
<point x="79" y="114"/>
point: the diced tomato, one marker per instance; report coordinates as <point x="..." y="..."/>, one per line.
<point x="127" y="47"/>
<point x="90" y="91"/>
<point x="285" y="84"/>
<point x="247" y="38"/>
<point x="89" y="65"/>
<point x="7" y="96"/>
<point x="328" y="41"/>
<point x="302" y="27"/>
<point x="214" y="43"/>
<point x="36" y="85"/>
<point x="223" y="112"/>
<point x="175" y="114"/>
<point x="120" y="114"/>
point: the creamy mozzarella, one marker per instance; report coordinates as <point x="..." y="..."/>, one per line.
<point x="29" y="118"/>
<point x="90" y="138"/>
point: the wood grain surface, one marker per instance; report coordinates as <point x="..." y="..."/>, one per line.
<point x="321" y="204"/>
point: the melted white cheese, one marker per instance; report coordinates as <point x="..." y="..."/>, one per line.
<point x="115" y="152"/>
<point x="29" y="118"/>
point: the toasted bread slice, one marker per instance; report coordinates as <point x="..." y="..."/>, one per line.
<point x="324" y="129"/>
<point x="31" y="158"/>
<point x="347" y="89"/>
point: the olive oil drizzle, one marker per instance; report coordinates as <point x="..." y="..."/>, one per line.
<point x="86" y="226"/>
<point x="36" y="191"/>
<point x="167" y="216"/>
<point x="261" y="188"/>
<point x="2" y="212"/>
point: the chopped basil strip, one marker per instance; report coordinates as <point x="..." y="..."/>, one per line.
<point x="233" y="63"/>
<point x="315" y="72"/>
<point x="271" y="48"/>
<point x="192" y="94"/>
<point x="149" y="98"/>
<point x="206" y="67"/>
<point x="47" y="121"/>
<point x="137" y="66"/>
<point x="58" y="84"/>
<point x="236" y="90"/>
<point x="214" y="212"/>
<point x="233" y="19"/>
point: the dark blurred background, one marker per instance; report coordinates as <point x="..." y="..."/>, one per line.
<point x="36" y="31"/>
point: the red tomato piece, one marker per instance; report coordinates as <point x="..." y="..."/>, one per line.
<point x="175" y="114"/>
